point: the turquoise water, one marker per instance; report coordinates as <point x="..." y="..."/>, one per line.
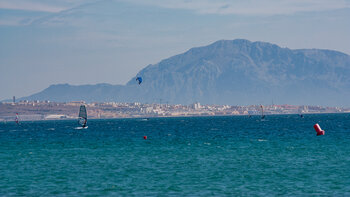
<point x="201" y="156"/>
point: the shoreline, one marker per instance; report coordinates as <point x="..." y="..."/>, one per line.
<point x="189" y="116"/>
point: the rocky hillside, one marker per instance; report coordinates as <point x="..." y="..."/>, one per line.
<point x="229" y="72"/>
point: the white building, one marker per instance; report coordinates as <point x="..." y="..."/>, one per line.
<point x="196" y="106"/>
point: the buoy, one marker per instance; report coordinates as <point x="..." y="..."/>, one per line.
<point x="145" y="137"/>
<point x="318" y="129"/>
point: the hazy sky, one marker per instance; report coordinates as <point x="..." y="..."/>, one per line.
<point x="44" y="42"/>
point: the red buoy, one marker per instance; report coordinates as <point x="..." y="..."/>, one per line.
<point x="318" y="129"/>
<point x="145" y="137"/>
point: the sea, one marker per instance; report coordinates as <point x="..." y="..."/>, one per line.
<point x="183" y="156"/>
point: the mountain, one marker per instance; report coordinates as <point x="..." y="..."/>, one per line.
<point x="235" y="72"/>
<point x="64" y="92"/>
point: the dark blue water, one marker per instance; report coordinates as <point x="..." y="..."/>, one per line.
<point x="204" y="156"/>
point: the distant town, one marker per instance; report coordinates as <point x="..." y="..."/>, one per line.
<point x="46" y="110"/>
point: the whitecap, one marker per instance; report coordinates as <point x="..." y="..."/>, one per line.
<point x="81" y="127"/>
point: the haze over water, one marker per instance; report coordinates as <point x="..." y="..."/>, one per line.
<point x="199" y="156"/>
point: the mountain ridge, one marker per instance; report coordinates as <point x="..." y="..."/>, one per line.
<point x="228" y="72"/>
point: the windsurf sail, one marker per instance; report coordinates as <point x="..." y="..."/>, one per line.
<point x="17" y="119"/>
<point x="82" y="116"/>
<point x="262" y="112"/>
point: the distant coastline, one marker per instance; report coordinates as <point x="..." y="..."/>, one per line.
<point x="150" y="117"/>
<point x="37" y="110"/>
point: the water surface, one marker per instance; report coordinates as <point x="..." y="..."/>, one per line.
<point x="199" y="156"/>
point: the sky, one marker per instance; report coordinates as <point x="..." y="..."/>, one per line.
<point x="45" y="42"/>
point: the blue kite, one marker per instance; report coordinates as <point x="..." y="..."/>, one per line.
<point x="139" y="79"/>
